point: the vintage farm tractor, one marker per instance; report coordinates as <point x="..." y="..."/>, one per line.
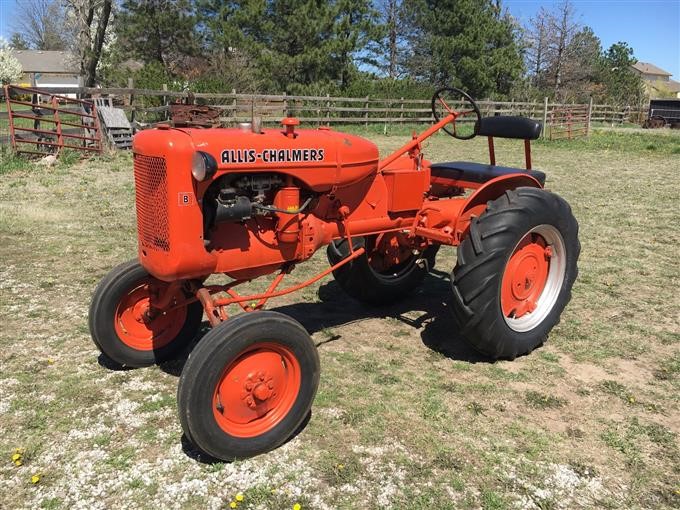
<point x="246" y="203"/>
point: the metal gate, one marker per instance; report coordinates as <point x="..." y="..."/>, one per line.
<point x="569" y="122"/>
<point x="42" y="123"/>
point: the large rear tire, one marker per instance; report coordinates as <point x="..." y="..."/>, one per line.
<point x="248" y="386"/>
<point x="361" y="280"/>
<point x="126" y="329"/>
<point x="515" y="271"/>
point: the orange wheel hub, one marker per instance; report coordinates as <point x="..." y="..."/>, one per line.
<point x="390" y="250"/>
<point x="525" y="276"/>
<point x="140" y="326"/>
<point x="257" y="390"/>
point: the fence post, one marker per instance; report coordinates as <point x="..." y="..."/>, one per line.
<point x="131" y="85"/>
<point x="233" y="106"/>
<point x="401" y="115"/>
<point x="590" y="114"/>
<point x="285" y="105"/>
<point x="328" y="109"/>
<point x="545" y="115"/>
<point x="81" y="85"/>
<point x="165" y="102"/>
<point x="366" y="108"/>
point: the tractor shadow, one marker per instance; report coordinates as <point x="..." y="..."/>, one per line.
<point x="438" y="331"/>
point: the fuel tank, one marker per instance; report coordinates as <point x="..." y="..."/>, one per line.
<point x="321" y="158"/>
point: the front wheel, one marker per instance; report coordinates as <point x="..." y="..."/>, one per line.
<point x="248" y="385"/>
<point x="515" y="271"/>
<point x="125" y="326"/>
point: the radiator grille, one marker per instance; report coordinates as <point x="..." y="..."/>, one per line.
<point x="151" y="194"/>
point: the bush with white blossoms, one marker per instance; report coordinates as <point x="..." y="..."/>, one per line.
<point x="10" y="68"/>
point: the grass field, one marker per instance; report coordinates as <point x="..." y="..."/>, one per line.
<point x="407" y="416"/>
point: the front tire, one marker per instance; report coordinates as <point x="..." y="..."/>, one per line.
<point x="515" y="271"/>
<point x="127" y="330"/>
<point x="248" y="385"/>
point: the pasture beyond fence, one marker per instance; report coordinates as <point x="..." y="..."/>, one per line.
<point x="145" y="107"/>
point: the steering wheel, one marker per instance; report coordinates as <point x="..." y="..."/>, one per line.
<point x="439" y="102"/>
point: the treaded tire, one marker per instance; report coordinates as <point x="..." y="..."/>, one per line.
<point x="483" y="256"/>
<point x="361" y="282"/>
<point x="102" y="316"/>
<point x="224" y="347"/>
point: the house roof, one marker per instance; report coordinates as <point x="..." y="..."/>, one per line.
<point x="670" y="85"/>
<point x="647" y="68"/>
<point x="38" y="61"/>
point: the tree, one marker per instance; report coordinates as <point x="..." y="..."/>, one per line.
<point x="292" y="43"/>
<point x="580" y="70"/>
<point x="90" y="21"/>
<point x="162" y="31"/>
<point x="537" y="40"/>
<point x="18" y="42"/>
<point x="469" y="44"/>
<point x="563" y="28"/>
<point x="10" y="67"/>
<point x="623" y="85"/>
<point x="41" y="25"/>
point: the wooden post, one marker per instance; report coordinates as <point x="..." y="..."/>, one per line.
<point x="590" y="114"/>
<point x="164" y="99"/>
<point x="401" y="115"/>
<point x="285" y="105"/>
<point x="131" y="85"/>
<point x="233" y="106"/>
<point x="81" y="84"/>
<point x="366" y="112"/>
<point x="545" y="115"/>
<point x="328" y="109"/>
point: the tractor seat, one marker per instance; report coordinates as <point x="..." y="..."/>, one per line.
<point x="479" y="172"/>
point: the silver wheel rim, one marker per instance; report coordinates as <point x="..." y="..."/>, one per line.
<point x="553" y="284"/>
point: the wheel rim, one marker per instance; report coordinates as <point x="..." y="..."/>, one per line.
<point x="257" y="390"/>
<point x="143" y="328"/>
<point x="533" y="278"/>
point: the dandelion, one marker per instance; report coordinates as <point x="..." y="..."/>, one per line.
<point x="233" y="504"/>
<point x="297" y="506"/>
<point x="631" y="400"/>
<point x="16" y="457"/>
<point x="35" y="479"/>
<point x="239" y="497"/>
<point x="18" y="463"/>
<point x="341" y="467"/>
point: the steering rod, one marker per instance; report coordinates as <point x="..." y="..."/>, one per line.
<point x="417" y="141"/>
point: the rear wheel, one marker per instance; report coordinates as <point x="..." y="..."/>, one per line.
<point x="125" y="326"/>
<point x="248" y="385"/>
<point x="387" y="272"/>
<point x="515" y="271"/>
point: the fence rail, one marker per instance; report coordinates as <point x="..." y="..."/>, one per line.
<point x="148" y="106"/>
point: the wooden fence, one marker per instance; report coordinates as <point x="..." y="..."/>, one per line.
<point x="145" y="106"/>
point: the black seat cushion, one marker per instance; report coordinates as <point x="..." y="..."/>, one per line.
<point x="479" y="172"/>
<point x="521" y="128"/>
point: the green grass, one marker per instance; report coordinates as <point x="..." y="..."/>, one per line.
<point x="411" y="426"/>
<point x="618" y="141"/>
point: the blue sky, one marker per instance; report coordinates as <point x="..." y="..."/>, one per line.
<point x="650" y="27"/>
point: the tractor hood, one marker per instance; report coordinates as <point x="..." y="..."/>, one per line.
<point x="322" y="158"/>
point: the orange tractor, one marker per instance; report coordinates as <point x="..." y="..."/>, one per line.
<point x="247" y="203"/>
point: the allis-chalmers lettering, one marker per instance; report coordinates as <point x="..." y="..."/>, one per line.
<point x="231" y="156"/>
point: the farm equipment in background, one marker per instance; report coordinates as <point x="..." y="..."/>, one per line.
<point x="248" y="202"/>
<point x="662" y="113"/>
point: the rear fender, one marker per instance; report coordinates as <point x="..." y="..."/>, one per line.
<point x="490" y="190"/>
